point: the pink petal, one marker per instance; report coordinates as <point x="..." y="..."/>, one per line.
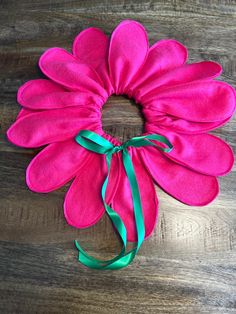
<point x="41" y="128"/>
<point x="183" y="74"/>
<point x="65" y="69"/>
<point x="91" y="47"/>
<point x="55" y="165"/>
<point x="24" y="112"/>
<point x="199" y="101"/>
<point x="204" y="153"/>
<point x="162" y="57"/>
<point x="186" y="185"/>
<point x="83" y="205"/>
<point x="183" y="126"/>
<point x="45" y="94"/>
<point x="127" y="53"/>
<point x="122" y="202"/>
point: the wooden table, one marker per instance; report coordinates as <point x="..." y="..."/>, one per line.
<point x="189" y="263"/>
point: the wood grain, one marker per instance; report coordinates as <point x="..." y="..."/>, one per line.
<point x="189" y="263"/>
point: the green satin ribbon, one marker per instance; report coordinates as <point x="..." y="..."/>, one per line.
<point x="100" y="145"/>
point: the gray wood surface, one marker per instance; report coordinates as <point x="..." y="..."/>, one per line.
<point x="189" y="264"/>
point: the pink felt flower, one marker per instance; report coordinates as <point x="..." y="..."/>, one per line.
<point x="180" y="101"/>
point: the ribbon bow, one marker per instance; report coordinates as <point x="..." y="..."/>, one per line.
<point x="100" y="145"/>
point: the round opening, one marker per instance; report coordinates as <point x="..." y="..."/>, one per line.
<point x="122" y="118"/>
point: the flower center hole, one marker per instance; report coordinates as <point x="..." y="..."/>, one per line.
<point x="122" y="118"/>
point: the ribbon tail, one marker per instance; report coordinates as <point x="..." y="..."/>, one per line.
<point x="114" y="263"/>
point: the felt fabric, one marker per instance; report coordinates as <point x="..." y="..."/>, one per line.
<point x="200" y="101"/>
<point x="91" y="47"/>
<point x="195" y="152"/>
<point x="187" y="186"/>
<point x="179" y="125"/>
<point x="162" y="57"/>
<point x="173" y="76"/>
<point x="44" y="127"/>
<point x="65" y="69"/>
<point x="122" y="200"/>
<point x="24" y="112"/>
<point x="44" y="94"/>
<point x="180" y="101"/>
<point x="83" y="205"/>
<point x="53" y="166"/>
<point x="126" y="56"/>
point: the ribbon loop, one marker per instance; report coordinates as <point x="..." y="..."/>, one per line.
<point x="100" y="145"/>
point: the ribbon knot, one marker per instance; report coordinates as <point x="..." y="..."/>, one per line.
<point x="116" y="149"/>
<point x="100" y="145"/>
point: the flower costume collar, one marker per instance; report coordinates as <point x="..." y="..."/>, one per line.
<point x="180" y="102"/>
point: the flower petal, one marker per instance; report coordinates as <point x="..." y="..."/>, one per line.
<point x="83" y="205"/>
<point x="91" y="47"/>
<point x="199" y="101"/>
<point x="55" y="165"/>
<point x="156" y="118"/>
<point x="127" y="53"/>
<point x="162" y="57"/>
<point x="41" y="128"/>
<point x="204" y="153"/>
<point x="65" y="69"/>
<point x="186" y="185"/>
<point x="182" y="74"/>
<point x="44" y="94"/>
<point x="122" y="202"/>
<point x="24" y="112"/>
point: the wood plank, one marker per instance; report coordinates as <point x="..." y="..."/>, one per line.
<point x="188" y="265"/>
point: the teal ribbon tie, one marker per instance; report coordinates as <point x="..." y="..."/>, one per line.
<point x="100" y="145"/>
